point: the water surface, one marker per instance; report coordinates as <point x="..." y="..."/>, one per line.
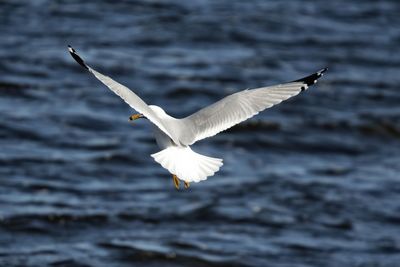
<point x="311" y="182"/>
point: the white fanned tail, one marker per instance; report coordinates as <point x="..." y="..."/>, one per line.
<point x="188" y="165"/>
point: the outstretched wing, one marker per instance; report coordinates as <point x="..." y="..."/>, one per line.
<point x="240" y="106"/>
<point x="127" y="95"/>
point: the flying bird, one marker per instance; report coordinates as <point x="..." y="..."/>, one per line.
<point x="175" y="136"/>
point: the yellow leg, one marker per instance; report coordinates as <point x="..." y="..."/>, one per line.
<point x="176" y="181"/>
<point x="186" y="185"/>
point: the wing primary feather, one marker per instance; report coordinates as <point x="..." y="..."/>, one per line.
<point x="131" y="99"/>
<point x="311" y="79"/>
<point x="240" y="106"/>
<point x="217" y="117"/>
<point x="77" y="57"/>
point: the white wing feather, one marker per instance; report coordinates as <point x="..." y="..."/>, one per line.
<point x="128" y="96"/>
<point x="215" y="118"/>
<point x="240" y="106"/>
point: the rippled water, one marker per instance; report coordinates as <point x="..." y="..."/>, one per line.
<point x="311" y="182"/>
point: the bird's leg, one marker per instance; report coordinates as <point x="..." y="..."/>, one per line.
<point x="136" y="116"/>
<point x="176" y="181"/>
<point x="186" y="185"/>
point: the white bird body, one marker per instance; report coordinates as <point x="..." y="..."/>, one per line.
<point x="174" y="136"/>
<point x="181" y="160"/>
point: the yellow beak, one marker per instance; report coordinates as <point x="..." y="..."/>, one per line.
<point x="135" y="117"/>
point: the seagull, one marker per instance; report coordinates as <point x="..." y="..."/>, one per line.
<point x="175" y="136"/>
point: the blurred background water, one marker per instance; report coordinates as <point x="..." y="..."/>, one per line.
<point x="311" y="182"/>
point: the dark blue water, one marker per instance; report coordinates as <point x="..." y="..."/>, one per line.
<point x="314" y="181"/>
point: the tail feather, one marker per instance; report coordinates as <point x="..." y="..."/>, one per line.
<point x="188" y="165"/>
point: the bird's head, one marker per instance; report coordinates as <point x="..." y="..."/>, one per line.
<point x="158" y="111"/>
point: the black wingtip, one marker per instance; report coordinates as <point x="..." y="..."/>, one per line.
<point x="77" y="57"/>
<point x="312" y="79"/>
<point x="323" y="70"/>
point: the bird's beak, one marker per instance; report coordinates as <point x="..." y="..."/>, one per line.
<point x="135" y="117"/>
